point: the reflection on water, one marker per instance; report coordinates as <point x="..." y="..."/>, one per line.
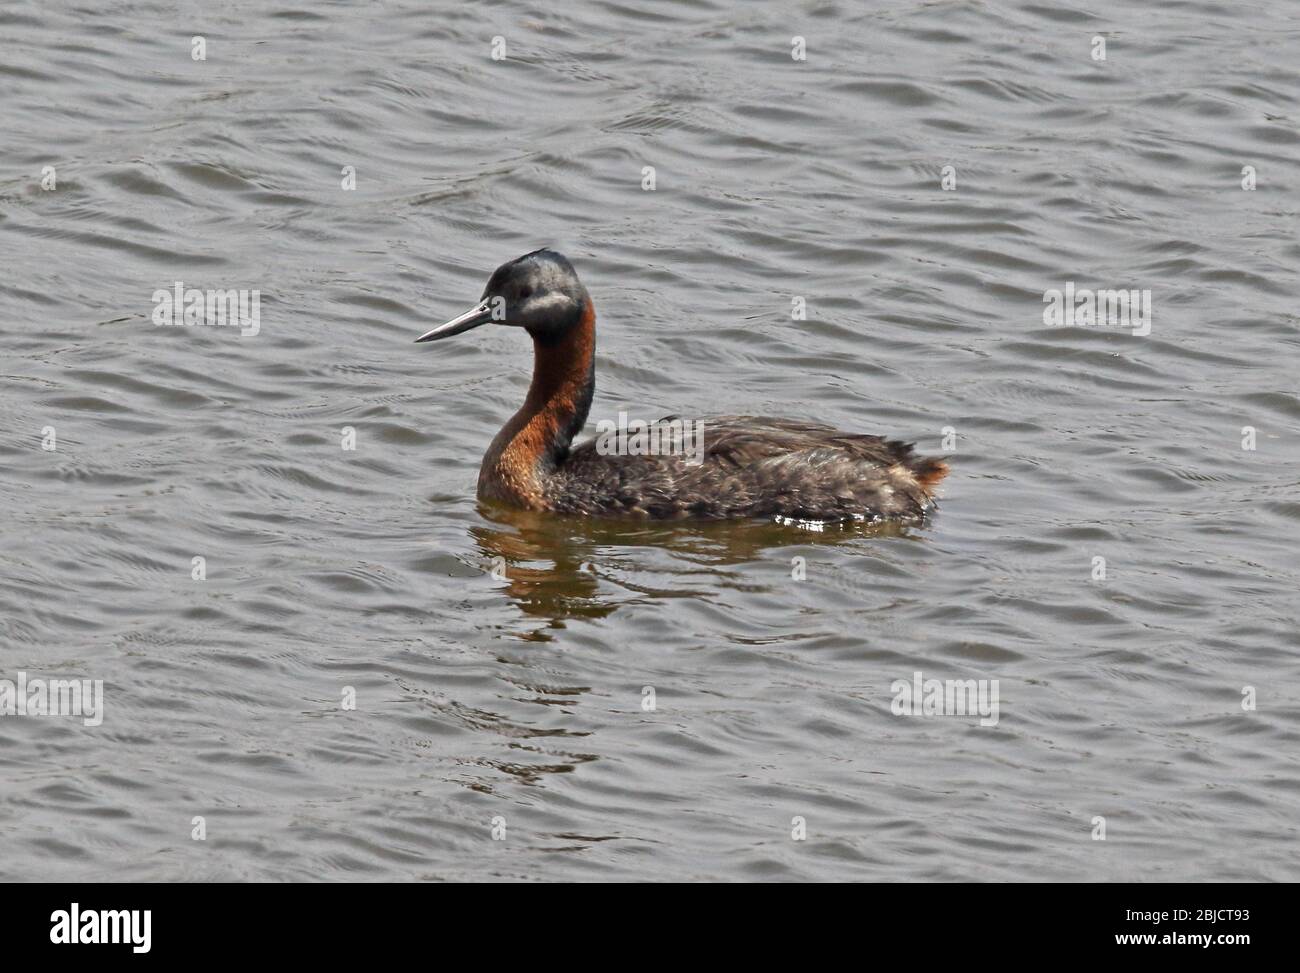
<point x="544" y="566"/>
<point x="550" y="565"/>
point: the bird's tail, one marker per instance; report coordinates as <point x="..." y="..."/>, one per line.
<point x="928" y="472"/>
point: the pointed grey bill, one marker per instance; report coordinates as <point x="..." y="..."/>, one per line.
<point x="481" y="314"/>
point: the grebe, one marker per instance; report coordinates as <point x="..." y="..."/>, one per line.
<point x="749" y="466"/>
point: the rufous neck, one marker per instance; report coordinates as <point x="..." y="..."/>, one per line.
<point x="537" y="437"/>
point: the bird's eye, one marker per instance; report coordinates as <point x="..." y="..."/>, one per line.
<point x="526" y="293"/>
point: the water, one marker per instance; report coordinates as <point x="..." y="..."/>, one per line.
<point x="519" y="702"/>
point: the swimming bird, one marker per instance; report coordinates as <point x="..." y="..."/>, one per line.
<point x="747" y="467"/>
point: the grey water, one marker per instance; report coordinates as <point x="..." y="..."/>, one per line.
<point x="369" y="677"/>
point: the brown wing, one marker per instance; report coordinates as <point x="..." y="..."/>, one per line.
<point x="752" y="466"/>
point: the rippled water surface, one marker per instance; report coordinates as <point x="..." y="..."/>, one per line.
<point x="519" y="701"/>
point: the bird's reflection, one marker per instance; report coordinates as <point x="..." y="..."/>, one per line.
<point x="544" y="567"/>
<point x="551" y="566"/>
<point x="556" y="569"/>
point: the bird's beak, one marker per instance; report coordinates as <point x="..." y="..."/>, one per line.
<point x="481" y="314"/>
